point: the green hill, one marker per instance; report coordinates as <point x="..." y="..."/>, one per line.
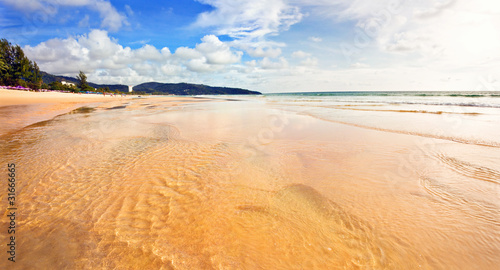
<point x="158" y="88"/>
<point x="190" y="89"/>
<point x="49" y="78"/>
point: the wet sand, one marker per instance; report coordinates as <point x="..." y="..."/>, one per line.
<point x="22" y="108"/>
<point x="184" y="183"/>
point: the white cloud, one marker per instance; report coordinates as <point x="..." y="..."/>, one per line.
<point x="267" y="63"/>
<point x="300" y="54"/>
<point x="27" y="5"/>
<point x="148" y="52"/>
<point x="348" y="9"/>
<point x="187" y="53"/>
<point x="165" y="52"/>
<point x="251" y="64"/>
<point x="309" y="61"/>
<point x="248" y="20"/>
<point x="145" y="69"/>
<point x="217" y="52"/>
<point x="106" y="61"/>
<point x="259" y="51"/>
<point x="461" y="34"/>
<point x="199" y="65"/>
<point x="171" y="69"/>
<point x="99" y="45"/>
<point x="449" y="34"/>
<point x="306" y="59"/>
<point x="359" y="65"/>
<point x="111" y="19"/>
<point x="315" y="39"/>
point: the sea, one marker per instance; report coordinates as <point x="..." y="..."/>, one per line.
<point x="458" y="116"/>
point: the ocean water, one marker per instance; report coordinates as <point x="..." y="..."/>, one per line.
<point x="367" y="180"/>
<point x="468" y="117"/>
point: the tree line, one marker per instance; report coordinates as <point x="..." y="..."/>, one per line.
<point x="16" y="69"/>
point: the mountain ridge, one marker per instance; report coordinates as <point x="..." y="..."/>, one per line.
<point x="49" y="78"/>
<point x="159" y="88"/>
<point x="191" y="89"/>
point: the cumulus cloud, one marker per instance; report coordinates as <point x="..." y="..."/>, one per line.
<point x="107" y="61"/>
<point x="199" y="65"/>
<point x="217" y="52"/>
<point x="249" y="20"/>
<point x="148" y="52"/>
<point x="170" y="69"/>
<point x="87" y="52"/>
<point x="187" y="53"/>
<point x="111" y="19"/>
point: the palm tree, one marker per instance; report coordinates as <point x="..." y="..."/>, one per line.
<point x="82" y="81"/>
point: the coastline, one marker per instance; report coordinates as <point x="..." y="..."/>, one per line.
<point x="22" y="108"/>
<point x="19" y="108"/>
<point x="19" y="97"/>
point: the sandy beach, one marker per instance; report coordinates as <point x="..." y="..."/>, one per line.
<point x="253" y="183"/>
<point x="17" y="97"/>
<point x="22" y="108"/>
<point x="280" y="135"/>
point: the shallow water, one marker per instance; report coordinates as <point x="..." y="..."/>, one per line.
<point x="257" y="184"/>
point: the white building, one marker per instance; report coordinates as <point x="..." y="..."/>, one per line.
<point x="130" y="88"/>
<point x="67" y="83"/>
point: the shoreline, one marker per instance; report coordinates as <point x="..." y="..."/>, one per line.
<point x="20" y="97"/>
<point x="20" y="108"/>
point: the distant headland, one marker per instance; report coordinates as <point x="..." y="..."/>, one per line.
<point x="156" y="88"/>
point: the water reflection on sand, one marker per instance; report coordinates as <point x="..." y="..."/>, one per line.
<point x="225" y="184"/>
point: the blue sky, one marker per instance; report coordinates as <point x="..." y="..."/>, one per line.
<point x="265" y="45"/>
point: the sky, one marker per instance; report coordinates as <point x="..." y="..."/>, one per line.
<point x="265" y="45"/>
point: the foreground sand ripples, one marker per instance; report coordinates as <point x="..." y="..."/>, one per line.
<point x="130" y="186"/>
